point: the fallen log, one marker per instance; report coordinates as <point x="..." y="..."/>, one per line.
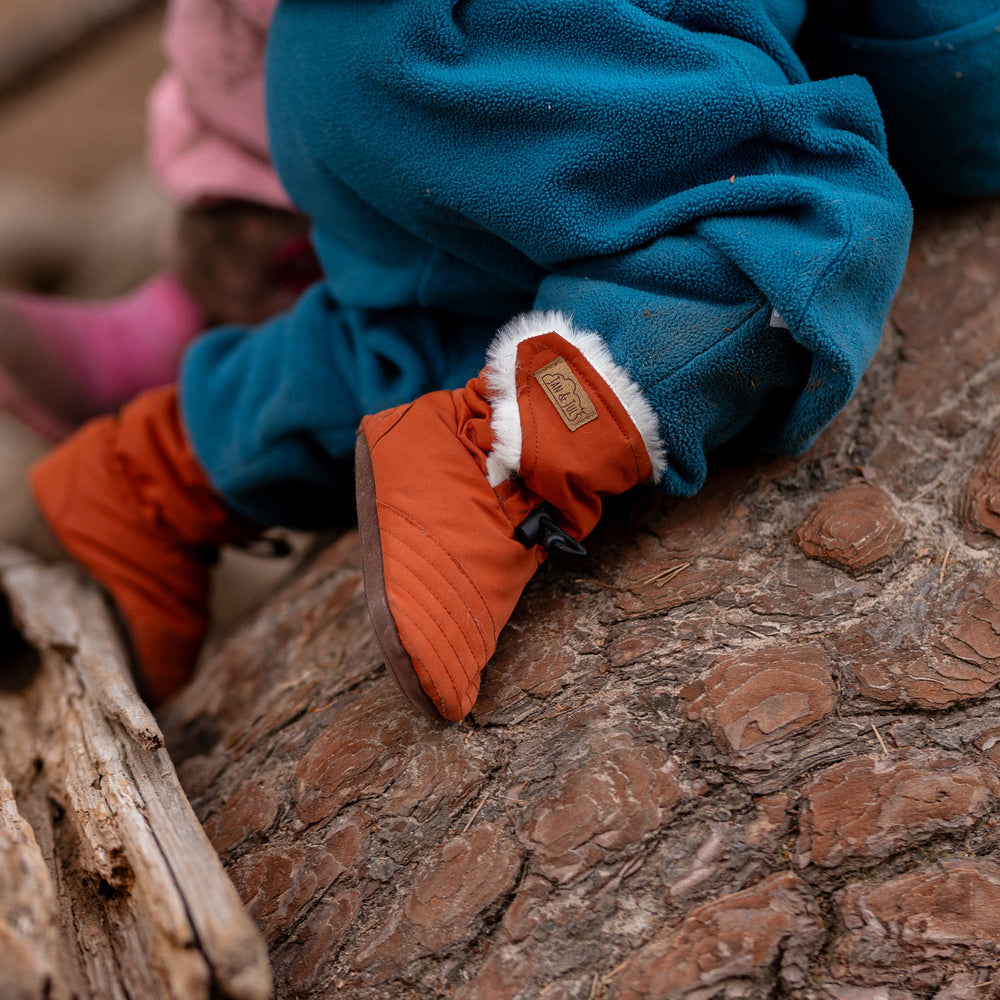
<point x="110" y="887"/>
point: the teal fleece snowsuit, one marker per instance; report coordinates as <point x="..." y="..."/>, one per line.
<point x="666" y="172"/>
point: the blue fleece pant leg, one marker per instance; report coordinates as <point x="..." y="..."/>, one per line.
<point x="272" y="412"/>
<point x="665" y="172"/>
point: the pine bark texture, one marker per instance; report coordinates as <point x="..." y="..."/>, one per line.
<point x="748" y="748"/>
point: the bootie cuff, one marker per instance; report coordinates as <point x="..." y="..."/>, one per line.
<point x="504" y="460"/>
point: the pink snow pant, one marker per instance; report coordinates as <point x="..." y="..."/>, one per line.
<point x="207" y="134"/>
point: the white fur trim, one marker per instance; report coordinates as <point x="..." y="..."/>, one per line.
<point x="501" y="361"/>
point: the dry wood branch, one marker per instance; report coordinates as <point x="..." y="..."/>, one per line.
<point x="29" y="924"/>
<point x="146" y="909"/>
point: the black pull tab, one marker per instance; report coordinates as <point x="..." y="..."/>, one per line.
<point x="208" y="554"/>
<point x="266" y="547"/>
<point x="540" y="528"/>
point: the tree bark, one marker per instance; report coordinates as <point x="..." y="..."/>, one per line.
<point x="749" y="747"/>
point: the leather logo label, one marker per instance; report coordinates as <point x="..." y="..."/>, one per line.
<point x="566" y="393"/>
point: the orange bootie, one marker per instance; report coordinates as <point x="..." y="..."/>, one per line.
<point x="128" y="500"/>
<point x="461" y="495"/>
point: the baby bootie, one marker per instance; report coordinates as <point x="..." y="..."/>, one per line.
<point x="128" y="500"/>
<point x="462" y="494"/>
<point x="63" y="360"/>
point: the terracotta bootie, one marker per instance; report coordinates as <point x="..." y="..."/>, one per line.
<point x="127" y="499"/>
<point x="461" y="495"/>
<point x="63" y="361"/>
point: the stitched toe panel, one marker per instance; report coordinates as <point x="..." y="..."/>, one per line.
<point x="444" y="621"/>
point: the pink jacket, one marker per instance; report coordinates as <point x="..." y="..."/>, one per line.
<point x="208" y="138"/>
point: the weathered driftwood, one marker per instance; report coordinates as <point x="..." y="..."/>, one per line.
<point x="108" y="885"/>
<point x="29" y="923"/>
<point x="749" y="748"/>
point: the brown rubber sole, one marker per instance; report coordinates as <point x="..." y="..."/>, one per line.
<point x="396" y="658"/>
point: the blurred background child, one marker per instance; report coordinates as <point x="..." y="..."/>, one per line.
<point x="238" y="251"/>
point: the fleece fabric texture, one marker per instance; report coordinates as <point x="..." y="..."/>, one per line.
<point x="664" y="172"/>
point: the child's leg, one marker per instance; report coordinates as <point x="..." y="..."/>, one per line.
<point x="685" y="180"/>
<point x="728" y="231"/>
<point x="275" y="411"/>
<point x="62" y="361"/>
<point x="272" y="414"/>
<point x="129" y="501"/>
<point x="511" y="467"/>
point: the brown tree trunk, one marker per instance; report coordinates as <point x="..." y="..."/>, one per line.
<point x="748" y="748"/>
